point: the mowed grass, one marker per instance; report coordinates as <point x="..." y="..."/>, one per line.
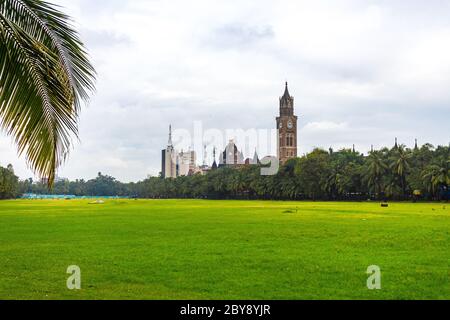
<point x="184" y="249"/>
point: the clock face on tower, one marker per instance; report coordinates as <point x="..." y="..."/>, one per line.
<point x="290" y="125"/>
<point x="281" y="125"/>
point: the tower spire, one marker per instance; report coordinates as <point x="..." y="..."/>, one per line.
<point x="416" y="147"/>
<point x="286" y="94"/>
<point x="286" y="103"/>
<point x="214" y="165"/>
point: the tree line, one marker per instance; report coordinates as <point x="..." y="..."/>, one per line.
<point x="9" y="183"/>
<point x="102" y="185"/>
<point x="398" y="173"/>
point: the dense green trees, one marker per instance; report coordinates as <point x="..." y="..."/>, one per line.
<point x="102" y="185"/>
<point x="9" y="183"/>
<point x="374" y="171"/>
<point x="397" y="173"/>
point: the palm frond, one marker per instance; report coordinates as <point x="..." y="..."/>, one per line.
<point x="45" y="75"/>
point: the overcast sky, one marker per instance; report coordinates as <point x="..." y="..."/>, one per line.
<point x="361" y="72"/>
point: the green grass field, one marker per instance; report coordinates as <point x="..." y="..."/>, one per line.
<point x="223" y="250"/>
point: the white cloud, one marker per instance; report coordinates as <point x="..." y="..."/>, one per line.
<point x="328" y="126"/>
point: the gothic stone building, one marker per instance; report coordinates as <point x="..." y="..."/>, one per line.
<point x="287" y="128"/>
<point x="231" y="156"/>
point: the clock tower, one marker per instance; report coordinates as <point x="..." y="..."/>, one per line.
<point x="287" y="128"/>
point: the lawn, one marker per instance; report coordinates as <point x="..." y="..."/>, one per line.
<point x="186" y="249"/>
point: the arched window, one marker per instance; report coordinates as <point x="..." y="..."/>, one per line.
<point x="290" y="140"/>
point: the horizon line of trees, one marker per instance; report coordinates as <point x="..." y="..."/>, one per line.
<point x="9" y="183"/>
<point x="399" y="173"/>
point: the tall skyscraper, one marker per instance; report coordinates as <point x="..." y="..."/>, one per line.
<point x="169" y="159"/>
<point x="175" y="164"/>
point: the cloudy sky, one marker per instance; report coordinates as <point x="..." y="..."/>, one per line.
<point x="361" y="72"/>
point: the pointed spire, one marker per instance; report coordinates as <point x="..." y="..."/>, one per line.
<point x="396" y="143"/>
<point x="416" y="147"/>
<point x="214" y="165"/>
<point x="354" y="150"/>
<point x="286" y="94"/>
<point x="286" y="103"/>
<point x="255" y="158"/>
<point x="371" y="149"/>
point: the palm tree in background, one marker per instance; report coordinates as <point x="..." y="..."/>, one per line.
<point x="376" y="170"/>
<point x="332" y="182"/>
<point x="436" y="175"/>
<point x="45" y="75"/>
<point x="401" y="166"/>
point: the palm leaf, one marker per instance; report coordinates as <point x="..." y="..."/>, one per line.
<point x="45" y="75"/>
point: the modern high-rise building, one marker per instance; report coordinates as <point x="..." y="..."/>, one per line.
<point x="186" y="163"/>
<point x="169" y="159"/>
<point x="176" y="164"/>
<point x="287" y="128"/>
